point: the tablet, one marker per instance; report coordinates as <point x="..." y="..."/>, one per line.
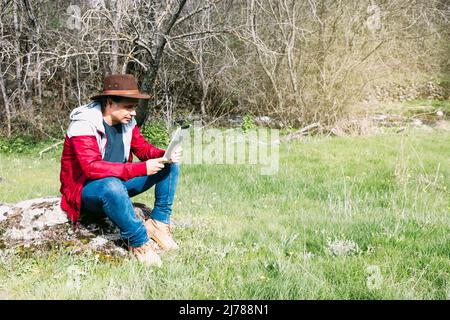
<point x="176" y="141"/>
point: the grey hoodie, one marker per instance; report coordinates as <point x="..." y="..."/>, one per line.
<point x="87" y="120"/>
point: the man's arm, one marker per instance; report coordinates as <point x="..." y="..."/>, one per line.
<point x="88" y="155"/>
<point x="142" y="148"/>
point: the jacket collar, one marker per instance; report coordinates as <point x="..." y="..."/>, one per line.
<point x="91" y="112"/>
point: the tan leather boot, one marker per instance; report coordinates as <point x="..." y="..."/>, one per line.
<point x="146" y="255"/>
<point x="161" y="233"/>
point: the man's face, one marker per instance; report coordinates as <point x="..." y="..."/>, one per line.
<point x="123" y="111"/>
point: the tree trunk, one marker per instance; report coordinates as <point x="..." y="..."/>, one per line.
<point x="203" y="80"/>
<point x="270" y="75"/>
<point x="163" y="27"/>
<point x="17" y="31"/>
<point x="3" y="87"/>
<point x="6" y="103"/>
<point x="114" y="43"/>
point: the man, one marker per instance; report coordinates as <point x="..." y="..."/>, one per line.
<point x="98" y="174"/>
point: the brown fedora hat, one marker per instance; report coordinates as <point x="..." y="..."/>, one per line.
<point x="121" y="85"/>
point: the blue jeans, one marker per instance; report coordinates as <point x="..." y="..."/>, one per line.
<point x="111" y="196"/>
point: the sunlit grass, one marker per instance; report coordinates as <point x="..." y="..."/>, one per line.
<point x="249" y="236"/>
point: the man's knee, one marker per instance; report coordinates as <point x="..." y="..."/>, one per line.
<point x="112" y="186"/>
<point x="173" y="168"/>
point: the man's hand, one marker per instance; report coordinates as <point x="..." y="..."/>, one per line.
<point x="154" y="165"/>
<point x="176" y="156"/>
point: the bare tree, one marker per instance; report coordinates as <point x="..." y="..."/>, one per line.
<point x="300" y="62"/>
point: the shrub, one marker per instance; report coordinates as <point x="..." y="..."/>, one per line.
<point x="156" y="133"/>
<point x="248" y="123"/>
<point x="18" y="144"/>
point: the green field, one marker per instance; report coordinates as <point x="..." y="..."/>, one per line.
<point x="344" y="218"/>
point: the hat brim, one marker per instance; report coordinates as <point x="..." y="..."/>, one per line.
<point x="130" y="96"/>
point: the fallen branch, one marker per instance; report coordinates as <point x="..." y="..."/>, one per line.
<point x="299" y="133"/>
<point x="49" y="148"/>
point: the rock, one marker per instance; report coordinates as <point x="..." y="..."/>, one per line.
<point x="36" y="214"/>
<point x="342" y="247"/>
<point x="4" y="210"/>
<point x="440" y="113"/>
<point x="40" y="224"/>
<point x="97" y="242"/>
<point x="236" y="120"/>
<point x="264" y="120"/>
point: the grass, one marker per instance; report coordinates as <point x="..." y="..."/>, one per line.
<point x="249" y="236"/>
<point x="418" y="107"/>
<point x="428" y="102"/>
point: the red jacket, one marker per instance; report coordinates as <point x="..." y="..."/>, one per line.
<point x="84" y="148"/>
